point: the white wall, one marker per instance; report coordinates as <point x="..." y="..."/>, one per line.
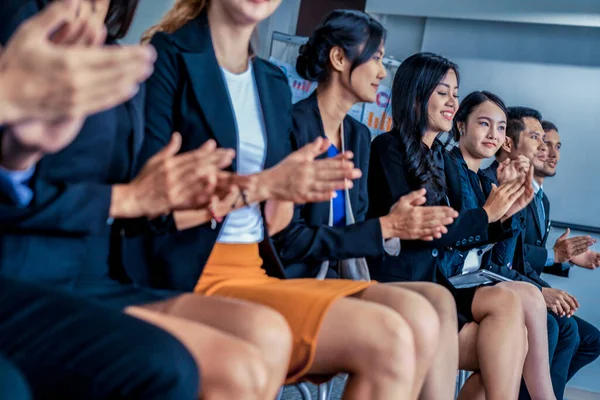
<point x="149" y="12"/>
<point x="555" y="68"/>
<point x="284" y="20"/>
<point x="579" y="12"/>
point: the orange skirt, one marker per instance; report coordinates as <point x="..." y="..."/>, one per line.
<point x="234" y="270"/>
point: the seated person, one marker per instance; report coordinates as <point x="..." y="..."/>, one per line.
<point x="330" y="237"/>
<point x="67" y="183"/>
<point x="92" y="349"/>
<point x="577" y="342"/>
<point x="480" y="129"/>
<point x="424" y="103"/>
<point x="208" y="85"/>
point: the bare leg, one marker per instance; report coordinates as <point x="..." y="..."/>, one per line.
<point x="441" y="378"/>
<point x="251" y="322"/>
<point x="230" y="368"/>
<point x="473" y="388"/>
<point x="536" y="371"/>
<point x="420" y="316"/>
<point x="371" y="342"/>
<point x="501" y="343"/>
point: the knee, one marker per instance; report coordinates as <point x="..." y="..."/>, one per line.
<point x="271" y="333"/>
<point x="391" y="351"/>
<point x="248" y="375"/>
<point x="506" y="302"/>
<point x="444" y="304"/>
<point x="236" y="372"/>
<point x="426" y="327"/>
<point x="533" y="299"/>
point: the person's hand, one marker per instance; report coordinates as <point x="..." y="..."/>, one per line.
<point x="300" y="178"/>
<point x="588" y="260"/>
<point x="510" y="170"/>
<point x="566" y="248"/>
<point x="560" y="302"/>
<point x="502" y="198"/>
<point x="528" y="193"/>
<point x="171" y="181"/>
<point x="410" y="220"/>
<point x="51" y="77"/>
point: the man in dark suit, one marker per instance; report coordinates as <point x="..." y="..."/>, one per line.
<point x="567" y="252"/>
<point x="525" y="137"/>
<point x="66" y="347"/>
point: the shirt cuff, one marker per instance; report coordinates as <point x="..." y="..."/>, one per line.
<point x="549" y="259"/>
<point x="14" y="184"/>
<point x="392" y="246"/>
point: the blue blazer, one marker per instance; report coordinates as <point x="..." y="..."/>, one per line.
<point x="309" y="240"/>
<point x="187" y="94"/>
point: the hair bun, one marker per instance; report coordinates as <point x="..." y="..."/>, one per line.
<point x="311" y="63"/>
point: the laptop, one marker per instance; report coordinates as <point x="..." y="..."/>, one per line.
<point x="476" y="278"/>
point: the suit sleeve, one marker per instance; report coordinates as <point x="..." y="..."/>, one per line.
<point x="536" y="256"/>
<point x="161" y="90"/>
<point x="387" y="183"/>
<point x="299" y="242"/>
<point x="79" y="209"/>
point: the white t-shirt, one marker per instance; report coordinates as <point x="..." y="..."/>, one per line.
<point x="245" y="225"/>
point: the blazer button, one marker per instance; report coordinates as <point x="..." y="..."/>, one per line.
<point x="464" y="241"/>
<point x="477" y="238"/>
<point x="539" y="242"/>
<point x="470" y="239"/>
<point x="434" y="252"/>
<point x="479" y="252"/>
<point x="458" y="243"/>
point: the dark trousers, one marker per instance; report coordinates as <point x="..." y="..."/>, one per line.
<point x="588" y="349"/>
<point x="12" y="382"/>
<point x="67" y="348"/>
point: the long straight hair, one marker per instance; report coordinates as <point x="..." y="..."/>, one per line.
<point x="414" y="82"/>
<point x="180" y="14"/>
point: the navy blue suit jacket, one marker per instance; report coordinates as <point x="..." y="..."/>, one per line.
<point x="187" y="94"/>
<point x="309" y="240"/>
<point x="418" y="261"/>
<point x="521" y="270"/>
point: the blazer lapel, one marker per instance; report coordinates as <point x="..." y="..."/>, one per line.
<point x="212" y="96"/>
<point x="452" y="182"/>
<point x="135" y="109"/>
<point x="277" y="133"/>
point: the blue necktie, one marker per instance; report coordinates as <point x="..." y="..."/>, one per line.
<point x="539" y="205"/>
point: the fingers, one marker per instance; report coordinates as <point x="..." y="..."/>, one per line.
<point x="578" y="245"/>
<point x="315" y="149"/>
<point x="415" y="198"/>
<point x="573" y="300"/>
<point x="564" y="235"/>
<point x="172" y="147"/>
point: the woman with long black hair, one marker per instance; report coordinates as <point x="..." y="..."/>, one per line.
<point x="344" y="56"/>
<point x="492" y="336"/>
<point x="480" y="130"/>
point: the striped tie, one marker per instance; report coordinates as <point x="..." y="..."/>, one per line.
<point x="539" y="205"/>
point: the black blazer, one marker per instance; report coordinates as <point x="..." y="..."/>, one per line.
<point x="536" y="238"/>
<point x="521" y="269"/>
<point x="418" y="260"/>
<point x="187" y="93"/>
<point x="309" y="240"/>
